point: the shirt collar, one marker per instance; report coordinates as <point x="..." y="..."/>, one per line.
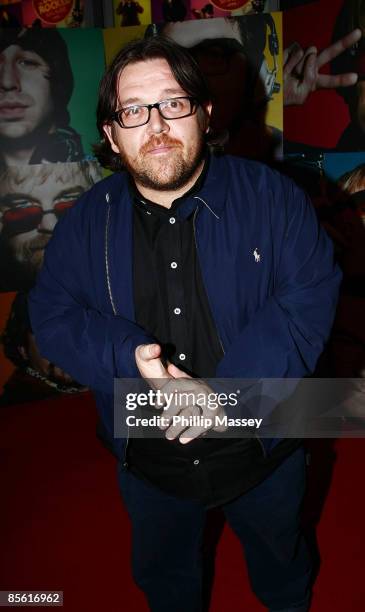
<point x="213" y="190"/>
<point x="181" y="207"/>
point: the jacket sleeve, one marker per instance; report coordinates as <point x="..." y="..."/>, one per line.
<point x="285" y="336"/>
<point x="92" y="346"/>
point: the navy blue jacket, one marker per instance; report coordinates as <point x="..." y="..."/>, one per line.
<point x="266" y="265"/>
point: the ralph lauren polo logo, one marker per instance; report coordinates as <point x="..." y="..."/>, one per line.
<point x="257" y="255"/>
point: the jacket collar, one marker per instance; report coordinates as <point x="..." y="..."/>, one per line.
<point x="213" y="192"/>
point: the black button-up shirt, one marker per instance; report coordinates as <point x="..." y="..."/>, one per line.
<point x="172" y="305"/>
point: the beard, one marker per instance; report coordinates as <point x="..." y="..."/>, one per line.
<point x="168" y="172"/>
<point x="30" y="254"/>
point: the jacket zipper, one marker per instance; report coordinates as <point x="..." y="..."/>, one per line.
<point x="125" y="463"/>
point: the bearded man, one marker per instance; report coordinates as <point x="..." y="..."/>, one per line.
<point x="185" y="265"/>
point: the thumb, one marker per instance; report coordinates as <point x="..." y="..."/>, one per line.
<point x="176" y="372"/>
<point x="146" y="352"/>
<point x="150" y="365"/>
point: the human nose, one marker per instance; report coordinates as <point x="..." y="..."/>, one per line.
<point x="48" y="222"/>
<point x="9" y="79"/>
<point x="157" y="123"/>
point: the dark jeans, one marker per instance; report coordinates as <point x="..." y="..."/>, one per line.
<point x="167" y="537"/>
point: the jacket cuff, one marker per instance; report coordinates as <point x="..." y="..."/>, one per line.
<point x="125" y="355"/>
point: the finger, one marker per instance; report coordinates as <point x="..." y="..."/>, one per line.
<point x="286" y="54"/>
<point x="293" y="60"/>
<point x="176" y="372"/>
<point x="290" y="50"/>
<point x="176" y="397"/>
<point x="150" y="365"/>
<point x="192" y="433"/>
<point x="170" y="407"/>
<point x="339" y="47"/>
<point x="330" y="81"/>
<point x="308" y="52"/>
<point x="183" y="423"/>
<point x="310" y="72"/>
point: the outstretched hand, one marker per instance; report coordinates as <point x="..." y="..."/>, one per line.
<point x="301" y="69"/>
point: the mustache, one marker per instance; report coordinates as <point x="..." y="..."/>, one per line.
<point x="160" y="141"/>
<point x="32" y="251"/>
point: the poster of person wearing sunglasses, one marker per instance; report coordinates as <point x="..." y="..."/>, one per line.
<point x="32" y="200"/>
<point x="324" y="76"/>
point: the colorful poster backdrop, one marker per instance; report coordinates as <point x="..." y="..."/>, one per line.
<point x="48" y="95"/>
<point x="6" y="366"/>
<point x="290" y="4"/>
<point x="32" y="200"/>
<point x="241" y="60"/>
<point x="345" y="221"/>
<point x="336" y="184"/>
<point x="10" y="14"/>
<point x="170" y="10"/>
<point x="201" y="9"/>
<point x="86" y="51"/>
<point x="25" y="376"/>
<point x="116" y="38"/>
<point x="318" y="111"/>
<point x="132" y="12"/>
<point x="338" y="164"/>
<point x="55" y="13"/>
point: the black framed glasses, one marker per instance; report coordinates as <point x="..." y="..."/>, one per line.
<point x="139" y="114"/>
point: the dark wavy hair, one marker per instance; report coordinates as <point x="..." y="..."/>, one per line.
<point x="184" y="68"/>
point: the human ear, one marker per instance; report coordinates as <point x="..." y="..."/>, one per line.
<point x="108" y="131"/>
<point x="204" y="113"/>
<point x="208" y="109"/>
<point x="207" y="113"/>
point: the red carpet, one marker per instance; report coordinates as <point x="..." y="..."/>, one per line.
<point x="63" y="527"/>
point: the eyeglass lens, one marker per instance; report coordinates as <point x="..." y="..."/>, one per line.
<point x="19" y="219"/>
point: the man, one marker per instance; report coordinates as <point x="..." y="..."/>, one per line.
<point x="36" y="84"/>
<point x="32" y="199"/>
<point x="189" y="265"/>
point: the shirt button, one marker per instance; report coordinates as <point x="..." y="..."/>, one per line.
<point x="182" y="356"/>
<point x="172" y="220"/>
<point x="173" y="265"/>
<point x="196" y="461"/>
<point x="177" y="311"/>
